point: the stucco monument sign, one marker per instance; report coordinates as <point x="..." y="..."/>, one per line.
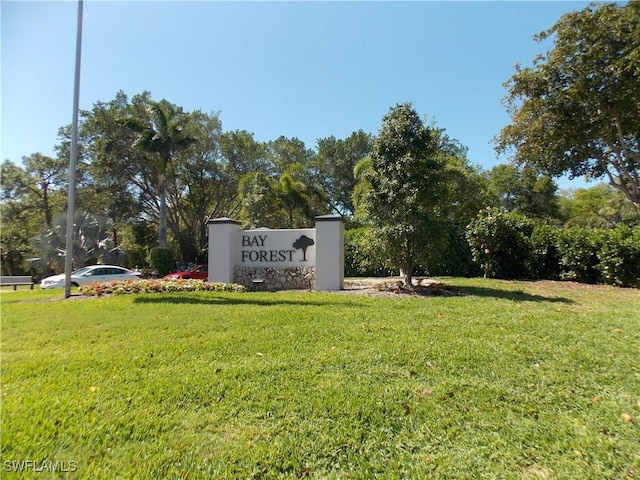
<point x="277" y="259"/>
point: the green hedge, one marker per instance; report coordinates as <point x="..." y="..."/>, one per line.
<point x="578" y="249"/>
<point x="360" y="257"/>
<point x="619" y="256"/>
<point x="588" y="255"/>
<point x="509" y="245"/>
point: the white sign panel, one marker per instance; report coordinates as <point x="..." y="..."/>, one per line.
<point x="277" y="248"/>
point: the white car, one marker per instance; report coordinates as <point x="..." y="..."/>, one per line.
<point x="92" y="274"/>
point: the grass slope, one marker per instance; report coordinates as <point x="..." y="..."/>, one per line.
<point x="512" y="380"/>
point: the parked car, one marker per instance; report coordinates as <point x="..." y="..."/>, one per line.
<point x="199" y="272"/>
<point x="91" y="274"/>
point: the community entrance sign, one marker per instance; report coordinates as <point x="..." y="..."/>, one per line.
<point x="277" y="248"/>
<point x="278" y="259"/>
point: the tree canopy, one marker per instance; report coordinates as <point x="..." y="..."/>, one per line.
<point x="135" y="149"/>
<point x="576" y="110"/>
<point x="522" y="190"/>
<point x="335" y="163"/>
<point x="407" y="193"/>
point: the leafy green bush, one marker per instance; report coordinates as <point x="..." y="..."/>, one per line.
<point x="578" y="249"/>
<point x="361" y="258"/>
<point x="545" y="261"/>
<point x="587" y="255"/>
<point x="500" y="243"/>
<point x="137" y="257"/>
<point x="619" y="256"/>
<point x="454" y="257"/>
<point x="161" y="259"/>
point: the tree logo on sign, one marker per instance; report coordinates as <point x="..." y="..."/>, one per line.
<point x="303" y="243"/>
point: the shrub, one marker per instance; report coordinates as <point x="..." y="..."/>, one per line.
<point x="500" y="243"/>
<point x="587" y="255"/>
<point x="619" y="257"/>
<point x="137" y="257"/>
<point x="578" y="249"/>
<point x="161" y="259"/>
<point x="454" y="257"/>
<point x="545" y="261"/>
<point x="361" y="257"/>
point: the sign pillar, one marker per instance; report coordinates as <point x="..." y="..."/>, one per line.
<point x="329" y="252"/>
<point x="223" y="249"/>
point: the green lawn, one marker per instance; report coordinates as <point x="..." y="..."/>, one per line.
<point x="512" y="380"/>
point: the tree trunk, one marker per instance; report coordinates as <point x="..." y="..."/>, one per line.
<point x="162" y="232"/>
<point x="45" y="206"/>
<point x="409" y="266"/>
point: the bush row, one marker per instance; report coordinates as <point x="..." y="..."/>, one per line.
<point x="510" y="245"/>
<point x="363" y="259"/>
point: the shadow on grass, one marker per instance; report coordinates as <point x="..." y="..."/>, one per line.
<point x="241" y="299"/>
<point x="516" y="296"/>
<point x="273" y="299"/>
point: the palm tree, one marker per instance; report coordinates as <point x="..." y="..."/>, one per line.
<point x="292" y="195"/>
<point x="161" y="134"/>
<point x="296" y="197"/>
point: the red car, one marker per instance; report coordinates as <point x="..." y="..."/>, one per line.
<point x="200" y="272"/>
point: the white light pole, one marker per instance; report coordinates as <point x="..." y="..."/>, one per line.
<point x="68" y="264"/>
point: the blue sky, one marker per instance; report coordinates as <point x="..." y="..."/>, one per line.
<point x="299" y="69"/>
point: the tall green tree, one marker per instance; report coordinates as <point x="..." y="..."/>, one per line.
<point x="259" y="203"/>
<point x="36" y="185"/>
<point x="299" y="200"/>
<point x="31" y="195"/>
<point x="335" y="162"/>
<point x="462" y="194"/>
<point x="283" y="152"/>
<point x="361" y="172"/>
<point x="403" y="201"/>
<point x="116" y="172"/>
<point x="161" y="134"/>
<point x="201" y="184"/>
<point x="243" y="153"/>
<point x="287" y="201"/>
<point x="576" y="109"/>
<point x="523" y="190"/>
<point x="598" y="206"/>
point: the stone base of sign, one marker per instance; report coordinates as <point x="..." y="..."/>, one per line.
<point x="275" y="278"/>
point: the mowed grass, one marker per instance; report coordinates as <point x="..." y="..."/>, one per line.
<point x="511" y="380"/>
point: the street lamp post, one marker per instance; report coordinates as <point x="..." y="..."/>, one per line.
<point x="68" y="264"/>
